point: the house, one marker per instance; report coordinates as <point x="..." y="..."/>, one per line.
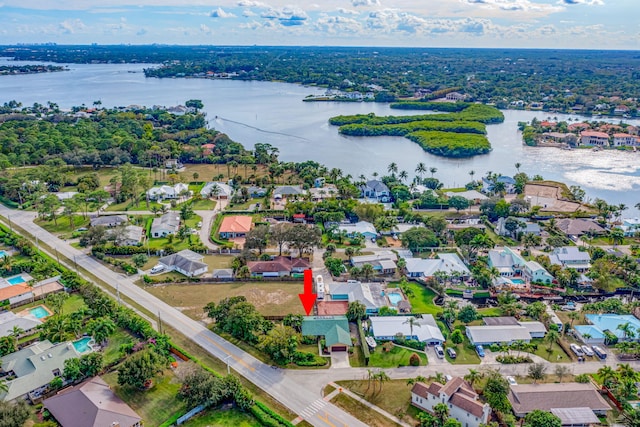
<point x="33" y="367"/>
<point x="383" y="262"/>
<point x="334" y="329"/>
<point x="207" y="149"/>
<point x="278" y="267"/>
<point x="235" y="226"/>
<point x="455" y="96"/>
<point x="599" y="325"/>
<point x="504" y="330"/>
<point x="164" y="225"/>
<point x="256" y="192"/>
<point x="621" y="109"/>
<point x="9" y="320"/>
<point x="624" y="139"/>
<point x="173" y="163"/>
<point x="363" y="228"/>
<point x="376" y="189"/>
<point x="424" y="330"/>
<point x="131" y="235"/>
<point x="326" y="192"/>
<point x="17" y="294"/>
<point x="168" y="192"/>
<point x="216" y="190"/>
<point x="509" y="184"/>
<point x="525" y="398"/>
<point x="109" y="220"/>
<point x="536" y="273"/>
<point x="592" y="137"/>
<point x="578" y="227"/>
<point x="224" y="274"/>
<point x="473" y="196"/>
<point x="91" y="404"/>
<point x="630" y="226"/>
<point x="448" y="264"/>
<point x="508" y="262"/>
<point x="459" y="396"/>
<point x="527" y="227"/>
<point x="288" y="191"/>
<point x="571" y="257"/>
<point x="186" y="262"/>
<point x="576" y="417"/>
<point x="369" y="294"/>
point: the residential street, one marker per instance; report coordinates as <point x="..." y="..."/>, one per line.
<point x="298" y="390"/>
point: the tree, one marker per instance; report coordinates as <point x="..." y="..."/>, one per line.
<point x="139" y="260"/>
<point x="356" y="311"/>
<point x="101" y="328"/>
<point x="279" y="234"/>
<point x="56" y="301"/>
<point x="412" y="321"/>
<point x="418" y="238"/>
<point x="367" y="271"/>
<point x="473" y="376"/>
<point x="334" y="265"/>
<point x="196" y="104"/>
<point x="631" y="417"/>
<point x="458" y="203"/>
<point x="536" y="372"/>
<point x="457" y="337"/>
<point x="257" y="238"/>
<point x="551" y="337"/>
<point x="608" y="376"/>
<point x="496" y="390"/>
<point x="539" y="418"/>
<point x="139" y="368"/>
<point x="14" y="414"/>
<point x="280" y="343"/>
<point x="628" y="330"/>
<point x="467" y="314"/>
<point x="561" y="371"/>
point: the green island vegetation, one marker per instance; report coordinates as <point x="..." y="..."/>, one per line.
<point x="460" y="133"/>
<point x="29" y="69"/>
<point x="551" y="80"/>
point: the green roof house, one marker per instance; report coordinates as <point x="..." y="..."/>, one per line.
<point x="334" y="329"/>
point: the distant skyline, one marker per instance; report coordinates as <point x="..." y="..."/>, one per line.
<point x="571" y="24"/>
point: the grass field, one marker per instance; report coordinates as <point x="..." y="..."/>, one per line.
<point x="128" y="206"/>
<point x="422" y="300"/>
<point x="361" y="412"/>
<point x="63" y="227"/>
<point x="398" y="356"/>
<point x="557" y="354"/>
<point x="223" y="418"/>
<point x="204" y="205"/>
<point x="112" y="352"/>
<point x="155" y="405"/>
<point x="270" y="298"/>
<point x="395" y="397"/>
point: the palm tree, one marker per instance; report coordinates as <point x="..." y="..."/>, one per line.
<point x="412" y="321"/>
<point x="473" y="376"/>
<point x="370" y="376"/>
<point x="392" y="168"/>
<point x="608" y="375"/>
<point x="628" y="331"/>
<point x="551" y="337"/>
<point x="101" y="328"/>
<point x="471" y="173"/>
<point x="403" y="175"/>
<point x="433" y="171"/>
<point x="383" y="378"/>
<point x="367" y="272"/>
<point x="421" y="168"/>
<point x="626" y="372"/>
<point x="573" y="315"/>
<point x="518" y="166"/>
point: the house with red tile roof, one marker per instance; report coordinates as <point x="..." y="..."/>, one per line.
<point x="279" y="266"/>
<point x="592" y="137"/>
<point x="624" y="139"/>
<point x="235" y="226"/>
<point x="462" y="400"/>
<point x="578" y="126"/>
<point x="207" y="149"/>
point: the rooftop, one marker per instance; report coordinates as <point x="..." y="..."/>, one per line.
<point x="335" y="329"/>
<point x="425" y="328"/>
<point x="526" y="397"/>
<point x="236" y="224"/>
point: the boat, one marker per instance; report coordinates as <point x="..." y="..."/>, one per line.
<point x="371" y="342"/>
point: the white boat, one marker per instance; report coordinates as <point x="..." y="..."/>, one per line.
<point x="371" y="342"/>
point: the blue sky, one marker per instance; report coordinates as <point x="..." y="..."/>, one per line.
<point x="582" y="24"/>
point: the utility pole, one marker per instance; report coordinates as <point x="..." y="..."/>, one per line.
<point x="159" y="323"/>
<point x="58" y="257"/>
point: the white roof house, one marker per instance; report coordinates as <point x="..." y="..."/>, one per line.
<point x="425" y="329"/>
<point x="167" y="191"/>
<point x="362" y="227"/>
<point x="351" y="291"/>
<point x="186" y="262"/>
<point x="571" y="257"/>
<point x="448" y="263"/>
<point x="165" y="225"/>
<point x="505" y="333"/>
<point x="8" y="320"/>
<point x="224" y="191"/>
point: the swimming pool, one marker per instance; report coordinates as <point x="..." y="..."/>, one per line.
<point x="394" y="297"/>
<point x="82" y="345"/>
<point x="517" y="281"/>
<point x="16" y="280"/>
<point x="39" y="312"/>
<point x="3" y="254"/>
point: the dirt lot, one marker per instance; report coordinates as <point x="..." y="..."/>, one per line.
<point x="548" y="196"/>
<point x="271" y="299"/>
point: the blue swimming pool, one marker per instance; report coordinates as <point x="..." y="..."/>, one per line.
<point x="16" y="280"/>
<point x="3" y="254"/>
<point x="394" y="297"/>
<point x="82" y="345"/>
<point x="39" y="312"/>
<point x="517" y="281"/>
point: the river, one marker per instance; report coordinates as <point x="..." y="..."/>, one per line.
<point x="252" y="112"/>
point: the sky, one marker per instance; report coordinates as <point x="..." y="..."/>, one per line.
<point x="573" y="24"/>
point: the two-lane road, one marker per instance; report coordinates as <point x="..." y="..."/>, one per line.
<point x="294" y="393"/>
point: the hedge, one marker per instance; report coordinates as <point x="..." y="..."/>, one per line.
<point x="274" y="415"/>
<point x="119" y="250"/>
<point x="363" y="343"/>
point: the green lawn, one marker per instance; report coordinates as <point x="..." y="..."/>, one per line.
<point x="178" y="244"/>
<point x="422" y="300"/>
<point x="63" y="226"/>
<point x="242" y="206"/>
<point x="204" y="205"/>
<point x="398" y="356"/>
<point x="223" y="418"/>
<point x="360" y="411"/>
<point x="193" y="221"/>
<point x="557" y="354"/>
<point x="490" y="312"/>
<point x="155" y="405"/>
<point x="464" y="354"/>
<point x="112" y="352"/>
<point x="128" y="206"/>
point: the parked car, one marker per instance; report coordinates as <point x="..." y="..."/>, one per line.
<point x="439" y="351"/>
<point x="82" y="229"/>
<point x="511" y="380"/>
<point x="587" y="350"/>
<point x="480" y="350"/>
<point x="576" y="350"/>
<point x="157" y="269"/>
<point x="452" y="353"/>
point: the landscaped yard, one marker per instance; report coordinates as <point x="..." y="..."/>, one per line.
<point x="270" y="298"/>
<point x="398" y="356"/>
<point x="203" y="205"/>
<point x="155" y="405"/>
<point x="465" y="353"/>
<point x="395" y="397"/>
<point x="112" y="352"/>
<point x="128" y="206"/>
<point x="223" y="418"/>
<point x="63" y="226"/>
<point x="557" y="354"/>
<point x="422" y="300"/>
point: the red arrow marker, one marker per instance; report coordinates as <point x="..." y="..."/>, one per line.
<point x="308" y="298"/>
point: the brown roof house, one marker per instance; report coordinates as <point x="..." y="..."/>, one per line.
<point x="458" y="395"/>
<point x="579" y="226"/>
<point x="525" y="398"/>
<point x="91" y="404"/>
<point x="278" y="267"/>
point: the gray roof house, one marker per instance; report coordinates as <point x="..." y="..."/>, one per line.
<point x="34" y="367"/>
<point x="165" y="192"/>
<point x="525" y="398"/>
<point x="571" y="257"/>
<point x="91" y="404"/>
<point x="165" y="225"/>
<point x="289" y="191"/>
<point x="579" y="226"/>
<point x="376" y="189"/>
<point x="370" y="294"/>
<point x="108" y="220"/>
<point x="424" y="330"/>
<point x="9" y="319"/>
<point x="186" y="262"/>
<point x="131" y="235"/>
<point x="504" y="330"/>
<point x="448" y="263"/>
<point x="365" y="228"/>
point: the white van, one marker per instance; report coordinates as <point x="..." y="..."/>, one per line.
<point x="157" y="269"/>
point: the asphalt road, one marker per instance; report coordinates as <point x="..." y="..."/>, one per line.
<point x="292" y="392"/>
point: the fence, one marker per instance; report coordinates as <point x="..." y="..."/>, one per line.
<point x="195" y="411"/>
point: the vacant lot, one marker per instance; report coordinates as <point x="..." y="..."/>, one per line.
<point x="271" y="298"/>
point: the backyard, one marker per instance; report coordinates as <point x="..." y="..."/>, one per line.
<point x="422" y="299"/>
<point x="270" y="298"/>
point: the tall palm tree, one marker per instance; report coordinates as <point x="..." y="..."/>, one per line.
<point x="421" y="169"/>
<point x="608" y="375"/>
<point x="518" y="166"/>
<point x="471" y="173"/>
<point x="628" y="331"/>
<point x="433" y="171"/>
<point x="392" y="168"/>
<point x="403" y="175"/>
<point x="473" y="376"/>
<point x="551" y="337"/>
<point x="412" y="321"/>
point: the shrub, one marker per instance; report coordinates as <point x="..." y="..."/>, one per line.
<point x="414" y="360"/>
<point x="510" y="359"/>
<point x="582" y="378"/>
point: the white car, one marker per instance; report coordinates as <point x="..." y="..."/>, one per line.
<point x="157" y="269"/>
<point x="587" y="350"/>
<point x="511" y="380"/>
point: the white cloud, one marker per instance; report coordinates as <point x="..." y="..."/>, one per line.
<point x="587" y="2"/>
<point x="347" y="11"/>
<point x="248" y="13"/>
<point x="337" y="25"/>
<point x="220" y="13"/>
<point x="357" y="3"/>
<point x="251" y="3"/>
<point x="71" y="26"/>
<point x="518" y="5"/>
<point x="205" y="29"/>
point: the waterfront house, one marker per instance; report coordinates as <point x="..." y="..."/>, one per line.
<point x="624" y="139"/>
<point x="425" y="328"/>
<point x="509" y="184"/>
<point x="186" y="262"/>
<point x="508" y="262"/>
<point x="458" y="395"/>
<point x="288" y="191"/>
<point x="91" y="404"/>
<point x="235" y="226"/>
<point x="621" y="109"/>
<point x="376" y="189"/>
<point x="455" y="96"/>
<point x="592" y="137"/>
<point x="525" y="398"/>
<point x="473" y="196"/>
<point x="630" y="226"/>
<point x="165" y="225"/>
<point x="571" y="257"/>
<point x="217" y="190"/>
<point x="536" y="273"/>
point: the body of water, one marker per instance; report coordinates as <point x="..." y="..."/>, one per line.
<point x="253" y="112"/>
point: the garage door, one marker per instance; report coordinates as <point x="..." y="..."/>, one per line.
<point x="339" y="348"/>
